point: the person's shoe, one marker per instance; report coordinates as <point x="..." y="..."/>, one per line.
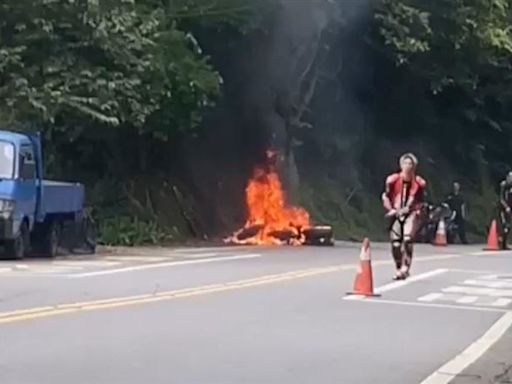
<point x="404" y="272"/>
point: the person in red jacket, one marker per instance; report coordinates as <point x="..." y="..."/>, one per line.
<point x="402" y="199"/>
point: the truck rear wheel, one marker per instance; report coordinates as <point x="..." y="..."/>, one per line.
<point x="18" y="247"/>
<point x="51" y="239"/>
<point x="90" y="236"/>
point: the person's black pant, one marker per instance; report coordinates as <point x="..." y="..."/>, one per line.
<point x="461" y="230"/>
<point x="504" y="220"/>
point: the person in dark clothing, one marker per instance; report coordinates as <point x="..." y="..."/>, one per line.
<point x="457" y="205"/>
<point x="504" y="210"/>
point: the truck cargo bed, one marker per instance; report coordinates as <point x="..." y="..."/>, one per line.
<point x="61" y="197"/>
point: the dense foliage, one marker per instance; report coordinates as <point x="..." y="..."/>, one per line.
<point x="462" y="49"/>
<point x="158" y="105"/>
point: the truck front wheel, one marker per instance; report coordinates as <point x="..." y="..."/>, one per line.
<point x="18" y="247"/>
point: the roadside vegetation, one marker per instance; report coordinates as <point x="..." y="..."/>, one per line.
<point x="162" y="107"/>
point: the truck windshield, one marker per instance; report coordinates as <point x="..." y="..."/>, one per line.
<point x="6" y="160"/>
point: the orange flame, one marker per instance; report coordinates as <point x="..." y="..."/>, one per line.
<point x="267" y="210"/>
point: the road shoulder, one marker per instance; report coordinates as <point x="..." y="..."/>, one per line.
<point x="495" y="366"/>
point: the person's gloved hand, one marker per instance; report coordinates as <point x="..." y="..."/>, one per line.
<point x="391" y="213"/>
<point x="404" y="211"/>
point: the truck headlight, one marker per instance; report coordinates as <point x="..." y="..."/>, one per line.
<point x="6" y="206"/>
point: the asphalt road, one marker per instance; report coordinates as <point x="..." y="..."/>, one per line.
<point x="256" y="315"/>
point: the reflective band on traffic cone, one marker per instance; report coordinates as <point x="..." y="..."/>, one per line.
<point x="363" y="284"/>
<point x="440" y="239"/>
<point x="492" y="238"/>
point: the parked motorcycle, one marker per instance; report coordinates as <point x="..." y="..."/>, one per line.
<point x="429" y="218"/>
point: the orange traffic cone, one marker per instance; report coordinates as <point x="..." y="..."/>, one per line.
<point x="363" y="284"/>
<point x="492" y="238"/>
<point x="440" y="239"/>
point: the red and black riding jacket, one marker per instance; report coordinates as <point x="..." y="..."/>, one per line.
<point x="402" y="193"/>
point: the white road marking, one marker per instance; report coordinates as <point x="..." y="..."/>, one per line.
<point x="502" y="302"/>
<point x="439" y="257"/>
<point x="147" y="259"/>
<point x="54" y="266"/>
<point x="15" y="275"/>
<point x="50" y="269"/>
<point x="236" y="248"/>
<point x="420" y="259"/>
<point x="88" y="263"/>
<point x="162" y="265"/>
<point x="410" y="280"/>
<point x="63" y="265"/>
<point x="460" y="362"/>
<point x="475" y="271"/>
<point x="493" y="292"/>
<point x="400" y="284"/>
<point x="489" y="284"/>
<point x="199" y="255"/>
<point x="353" y="297"/>
<point x="57" y="266"/>
<point x="489" y="277"/>
<point x="473" y="294"/>
<point x="433" y="305"/>
<point x="430" y="297"/>
<point x="467" y="299"/>
<point x="482" y="253"/>
<point x="35" y="269"/>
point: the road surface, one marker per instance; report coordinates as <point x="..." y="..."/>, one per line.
<point x="256" y="315"/>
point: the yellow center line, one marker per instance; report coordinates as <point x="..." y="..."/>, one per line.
<point x="67" y="308"/>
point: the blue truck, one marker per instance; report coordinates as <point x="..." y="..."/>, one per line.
<point x="34" y="211"/>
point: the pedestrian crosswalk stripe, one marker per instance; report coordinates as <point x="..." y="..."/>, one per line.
<point x="490" y="284"/>
<point x="467" y="299"/>
<point x="502" y="302"/>
<point x="493" y="292"/>
<point x="483" y="291"/>
<point x="431" y="297"/>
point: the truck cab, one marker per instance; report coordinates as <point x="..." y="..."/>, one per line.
<point x="33" y="211"/>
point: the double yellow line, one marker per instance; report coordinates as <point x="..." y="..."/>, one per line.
<point x="62" y="309"/>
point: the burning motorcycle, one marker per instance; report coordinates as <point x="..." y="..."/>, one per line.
<point x="270" y="220"/>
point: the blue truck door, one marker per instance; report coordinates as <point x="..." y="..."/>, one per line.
<point x="35" y="138"/>
<point x="27" y="187"/>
